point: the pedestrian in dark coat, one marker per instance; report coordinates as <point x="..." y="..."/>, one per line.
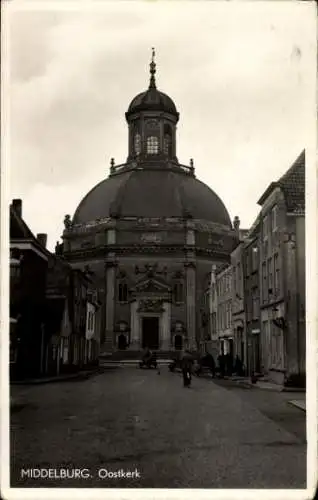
<point x="187" y="363"/>
<point x="238" y="366"/>
<point x="221" y="362"/>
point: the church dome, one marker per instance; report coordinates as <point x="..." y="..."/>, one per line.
<point x="152" y="193"/>
<point x="152" y="100"/>
<point x="152" y="183"/>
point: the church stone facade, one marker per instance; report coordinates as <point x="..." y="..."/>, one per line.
<point x="150" y="233"/>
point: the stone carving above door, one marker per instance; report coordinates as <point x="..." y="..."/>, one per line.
<point x="150" y="305"/>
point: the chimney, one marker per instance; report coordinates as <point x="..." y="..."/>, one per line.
<point x="236" y="223"/>
<point x="17" y="206"/>
<point x="42" y="239"/>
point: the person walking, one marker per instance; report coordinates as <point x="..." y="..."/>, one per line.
<point x="187" y="362"/>
<point x="221" y="364"/>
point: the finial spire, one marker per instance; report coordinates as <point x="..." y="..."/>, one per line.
<point x="152" y="84"/>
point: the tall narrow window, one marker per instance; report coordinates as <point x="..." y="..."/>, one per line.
<point x="167" y="144"/>
<point x="122" y="292"/>
<point x="255" y="303"/>
<point x="265" y="289"/>
<point x="137" y="144"/>
<point x="276" y="275"/>
<point x="255" y="258"/>
<point x="265" y="228"/>
<point x="178" y="292"/>
<point x="270" y="276"/>
<point x="239" y="276"/>
<point x="234" y="279"/>
<point x="152" y="145"/>
<point x="274" y="218"/>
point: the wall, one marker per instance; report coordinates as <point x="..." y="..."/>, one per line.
<point x="301" y="280"/>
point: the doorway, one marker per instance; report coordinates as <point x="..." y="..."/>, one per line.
<point x="150" y="332"/>
<point x="122" y="342"/>
<point x="178" y="344"/>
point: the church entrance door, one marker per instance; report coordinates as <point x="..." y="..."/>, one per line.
<point x="150" y="332"/>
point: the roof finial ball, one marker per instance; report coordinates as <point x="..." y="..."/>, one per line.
<point x="112" y="165"/>
<point x="152" y="84"/>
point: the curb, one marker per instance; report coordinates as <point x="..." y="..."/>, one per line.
<point x="65" y="378"/>
<point x="270" y="387"/>
<point x="301" y="405"/>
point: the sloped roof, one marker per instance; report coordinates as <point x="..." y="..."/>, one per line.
<point x="18" y="228"/>
<point x="139" y="193"/>
<point x="292" y="183"/>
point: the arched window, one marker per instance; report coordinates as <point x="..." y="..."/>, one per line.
<point x="122" y="292"/>
<point x="178" y="292"/>
<point x="137" y="144"/>
<point x="167" y="144"/>
<point x="152" y="145"/>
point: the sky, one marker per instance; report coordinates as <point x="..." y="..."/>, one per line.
<point x="241" y="75"/>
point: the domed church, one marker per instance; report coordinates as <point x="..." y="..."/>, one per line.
<point x="150" y="232"/>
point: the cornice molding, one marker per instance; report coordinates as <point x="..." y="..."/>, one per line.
<point x="132" y="223"/>
<point x="119" y="250"/>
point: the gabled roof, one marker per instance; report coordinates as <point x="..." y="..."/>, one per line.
<point x="292" y="183"/>
<point x="18" y="228"/>
<point x="21" y="233"/>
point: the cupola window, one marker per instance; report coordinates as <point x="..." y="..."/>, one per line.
<point x="167" y="140"/>
<point x="137" y="144"/>
<point x="152" y="145"/>
<point x="167" y="144"/>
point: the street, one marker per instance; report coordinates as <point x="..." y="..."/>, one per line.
<point x="213" y="435"/>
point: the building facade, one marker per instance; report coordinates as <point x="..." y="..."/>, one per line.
<point x="282" y="267"/>
<point x="238" y="303"/>
<point x="48" y="333"/>
<point x="150" y="232"/>
<point x="224" y="310"/>
<point x="251" y="253"/>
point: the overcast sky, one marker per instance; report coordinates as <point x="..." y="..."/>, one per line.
<point x="241" y="75"/>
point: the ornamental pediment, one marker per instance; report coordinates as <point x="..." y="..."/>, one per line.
<point x="151" y="286"/>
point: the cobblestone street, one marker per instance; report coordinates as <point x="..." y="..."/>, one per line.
<point x="209" y="436"/>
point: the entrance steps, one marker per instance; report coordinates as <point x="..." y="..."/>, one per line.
<point x="132" y="356"/>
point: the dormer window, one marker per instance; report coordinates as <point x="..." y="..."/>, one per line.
<point x="137" y="144"/>
<point x="152" y="145"/>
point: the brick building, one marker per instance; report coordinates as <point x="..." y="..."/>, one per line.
<point x="54" y="310"/>
<point x="238" y="300"/>
<point x="250" y="254"/>
<point x="224" y="309"/>
<point x="150" y="232"/>
<point x="28" y="274"/>
<point x="282" y="267"/>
